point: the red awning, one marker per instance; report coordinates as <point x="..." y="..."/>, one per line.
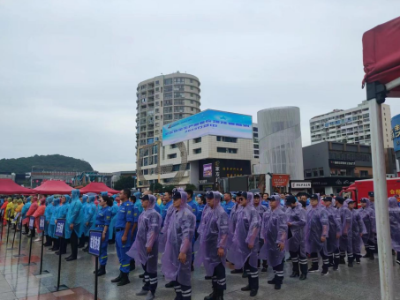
<point x="97" y="187"/>
<point x="52" y="187"/>
<point x="381" y="53"/>
<point x="9" y="187"/>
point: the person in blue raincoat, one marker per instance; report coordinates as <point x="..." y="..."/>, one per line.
<point x="62" y="214"/>
<point x="102" y="222"/>
<point x="24" y="211"/>
<point x="114" y="211"/>
<point x="73" y="224"/>
<point x="229" y="204"/>
<point x="47" y="215"/>
<point x="82" y="237"/>
<point x="123" y="238"/>
<point x="52" y="224"/>
<point x="89" y="219"/>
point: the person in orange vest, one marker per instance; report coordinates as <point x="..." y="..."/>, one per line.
<point x="34" y="206"/>
<point x="37" y="214"/>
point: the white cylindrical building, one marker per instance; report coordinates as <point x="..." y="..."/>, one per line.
<point x="280" y="142"/>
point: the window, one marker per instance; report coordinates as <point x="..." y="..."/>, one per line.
<point x="315" y="173"/>
<point x="157" y="111"/>
<point x="256" y="151"/>
<point x="321" y="172"/>
<point x="171" y="156"/>
<point x="191" y="109"/>
<point x="198" y="140"/>
<point x="179" y="95"/>
<point x="168" y="96"/>
<point x="363" y="173"/>
<point x="168" y="109"/>
<point x="308" y="173"/>
<point x="173" y="146"/>
<point x="179" y="102"/>
<point x="197" y="151"/>
<point x="167" y="117"/>
<point x="168" y="89"/>
<point x="157" y="82"/>
<point x="167" y="102"/>
<point x="167" y="81"/>
<point x="226" y="150"/>
<point x="191" y="80"/>
<point x="179" y="109"/>
<point x="179" y="80"/>
<point x="176" y="168"/>
<point x="191" y="87"/>
<point x="255" y="129"/>
<point x="157" y="89"/>
<point x="226" y="139"/>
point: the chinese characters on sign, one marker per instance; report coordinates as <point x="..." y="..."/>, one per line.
<point x="31" y="222"/>
<point x="41" y="223"/>
<point x="60" y="227"/>
<point x="280" y="180"/>
<point x="95" y="242"/>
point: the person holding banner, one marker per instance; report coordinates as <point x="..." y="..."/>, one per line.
<point x="102" y="222"/>
<point x="34" y="206"/>
<point x="73" y="224"/>
<point x="145" y="248"/>
<point x="23" y="214"/>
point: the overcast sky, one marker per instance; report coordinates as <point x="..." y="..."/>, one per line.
<point x="69" y="69"/>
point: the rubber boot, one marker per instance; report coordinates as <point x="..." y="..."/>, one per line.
<point x="101" y="271"/>
<point x="350" y="262"/>
<point x="304" y="271"/>
<point x="341" y="260"/>
<point x="336" y="262"/>
<point x="314" y="267"/>
<point x="264" y="266"/>
<point x="212" y="296"/>
<point x="273" y="280"/>
<point x="132" y="265"/>
<point x="124" y="280"/>
<point x="118" y="279"/>
<point x="371" y="255"/>
<point x="331" y="264"/>
<point x="295" y="270"/>
<point x="278" y="282"/>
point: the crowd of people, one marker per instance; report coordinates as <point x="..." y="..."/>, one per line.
<point x="249" y="231"/>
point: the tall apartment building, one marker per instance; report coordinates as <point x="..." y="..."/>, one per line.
<point x="349" y="126"/>
<point x="162" y="100"/>
<point x="255" y="142"/>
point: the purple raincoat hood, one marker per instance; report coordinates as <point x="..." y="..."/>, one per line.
<point x="152" y="201"/>
<point x="367" y="202"/>
<point x="346" y="203"/>
<point x="250" y="199"/>
<point x="393" y="203"/>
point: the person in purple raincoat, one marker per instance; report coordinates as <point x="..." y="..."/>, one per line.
<point x="358" y="229"/>
<point x="368" y="216"/>
<point x="145" y="248"/>
<point x="213" y="241"/>
<point x="274" y="232"/>
<point x="335" y="230"/>
<point x="296" y="219"/>
<point x="244" y="248"/>
<point x="176" y="260"/>
<point x="261" y="210"/>
<point x="346" y="235"/>
<point x="317" y="230"/>
<point x="232" y="227"/>
<point x="394" y="218"/>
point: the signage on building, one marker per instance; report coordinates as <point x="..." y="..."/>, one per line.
<point x="280" y="180"/>
<point x="207" y="170"/>
<point x="342" y="163"/>
<point x="333" y="181"/>
<point x="396" y="132"/>
<point x="208" y="122"/>
<point x="301" y="185"/>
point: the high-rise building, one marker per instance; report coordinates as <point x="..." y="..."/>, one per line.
<point x="162" y="100"/>
<point x="256" y="149"/>
<point x="349" y="126"/>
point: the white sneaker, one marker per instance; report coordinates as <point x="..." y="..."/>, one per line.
<point x="38" y="240"/>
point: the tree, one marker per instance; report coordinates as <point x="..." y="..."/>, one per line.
<point x="156" y="187"/>
<point x="125" y="183"/>
<point x="191" y="187"/>
<point x="168" y="188"/>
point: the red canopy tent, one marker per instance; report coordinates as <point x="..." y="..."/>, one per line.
<point x="381" y="53"/>
<point x="9" y="187"/>
<point x="52" y="187"/>
<point x="97" y="187"/>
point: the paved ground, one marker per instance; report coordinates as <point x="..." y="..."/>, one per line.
<point x="19" y="282"/>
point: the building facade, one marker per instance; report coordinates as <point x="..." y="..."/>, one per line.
<point x="162" y="100"/>
<point x="350" y="126"/>
<point x="280" y="143"/>
<point x="330" y="165"/>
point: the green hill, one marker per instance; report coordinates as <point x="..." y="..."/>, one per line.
<point x="54" y="162"/>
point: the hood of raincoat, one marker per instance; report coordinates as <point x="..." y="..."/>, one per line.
<point x="67" y="199"/>
<point x="250" y="199"/>
<point x="28" y="199"/>
<point x="75" y="195"/>
<point x="367" y="202"/>
<point x="91" y="199"/>
<point x="152" y="201"/>
<point x="85" y="198"/>
<point x="19" y="201"/>
<point x="346" y="203"/>
<point x="393" y="203"/>
<point x="56" y="202"/>
<point x="105" y="194"/>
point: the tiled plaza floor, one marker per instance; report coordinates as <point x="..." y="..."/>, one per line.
<point x="18" y="281"/>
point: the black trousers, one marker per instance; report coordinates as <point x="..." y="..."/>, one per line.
<point x="325" y="259"/>
<point x="252" y="273"/>
<point x="74" y="244"/>
<point x="26" y="228"/>
<point x="219" y="278"/>
<point x="298" y="259"/>
<point x="150" y="281"/>
<point x="183" y="291"/>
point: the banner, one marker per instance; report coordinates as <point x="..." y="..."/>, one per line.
<point x="280" y="180"/>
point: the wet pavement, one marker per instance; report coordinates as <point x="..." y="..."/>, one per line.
<point x="18" y="281"/>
